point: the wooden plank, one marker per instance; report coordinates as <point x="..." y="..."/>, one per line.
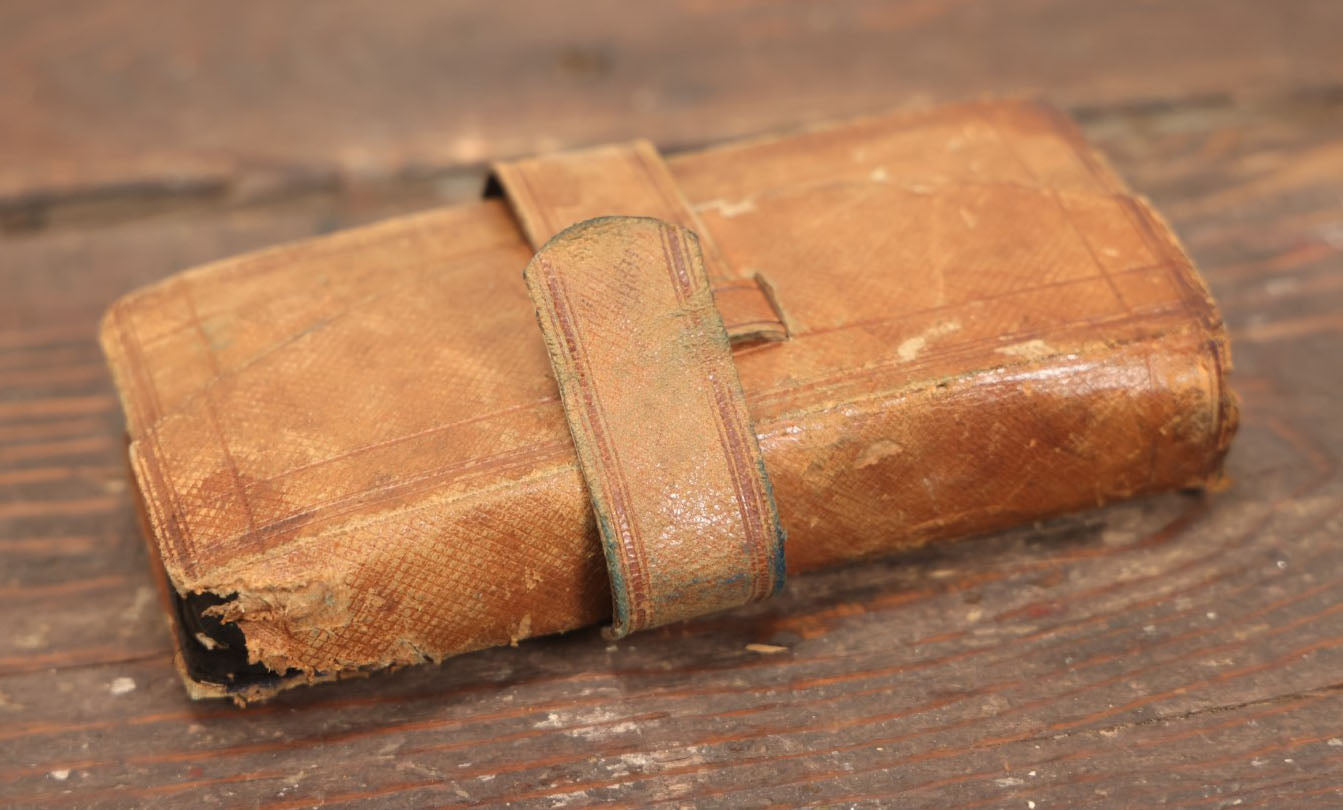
<point x="1179" y="649"/>
<point x="213" y="101"/>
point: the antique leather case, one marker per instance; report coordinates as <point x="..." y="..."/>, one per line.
<point x="351" y="452"/>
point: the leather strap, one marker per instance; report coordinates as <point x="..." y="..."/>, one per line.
<point x="551" y="192"/>
<point x="652" y="398"/>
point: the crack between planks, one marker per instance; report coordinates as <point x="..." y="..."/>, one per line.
<point x="15" y="671"/>
<point x="1329" y="690"/>
<point x="41" y="210"/>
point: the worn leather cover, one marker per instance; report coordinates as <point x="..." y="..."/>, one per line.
<point x="352" y="455"/>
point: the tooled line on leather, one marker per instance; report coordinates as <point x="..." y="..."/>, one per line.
<point x="395" y="440"/>
<point x="329" y="511"/>
<point x="781" y="420"/>
<point x="632" y="589"/>
<point x="1099" y="169"/>
<point x="1058" y="200"/>
<point x="1197" y="299"/>
<point x="173" y="523"/>
<point x="748" y="488"/>
<point x="1155" y="450"/>
<point x="610" y="474"/>
<point x="499" y="462"/>
<point x="727" y="426"/>
<point x="749" y="493"/>
<point x="1086" y="243"/>
<point x="354" y="306"/>
<point x="212" y="412"/>
<point x="673" y="260"/>
<point x="1085" y="327"/>
<point x="988" y="299"/>
<point x="268" y="260"/>
<point x="445" y="620"/>
<point x="874" y="131"/>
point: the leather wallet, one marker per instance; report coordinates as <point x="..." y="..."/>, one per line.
<point x="384" y="446"/>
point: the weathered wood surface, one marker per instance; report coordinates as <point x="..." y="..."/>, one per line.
<point x="1183" y="649"/>
<point x="209" y="100"/>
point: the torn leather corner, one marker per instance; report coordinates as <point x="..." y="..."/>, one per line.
<point x="683" y="503"/>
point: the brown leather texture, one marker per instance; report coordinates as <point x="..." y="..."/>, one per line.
<point x="357" y="441"/>
<point x="659" y="421"/>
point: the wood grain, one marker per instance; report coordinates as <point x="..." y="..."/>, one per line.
<point x="220" y="102"/>
<point x="1181" y="650"/>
